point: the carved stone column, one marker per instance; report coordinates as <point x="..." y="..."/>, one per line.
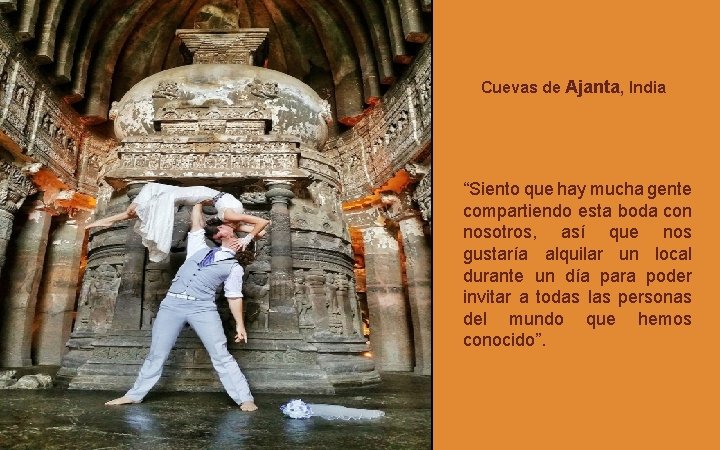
<point x="56" y="300"/>
<point x="399" y="208"/>
<point x="23" y="280"/>
<point x="282" y="315"/>
<point x="389" y="332"/>
<point x="14" y="188"/>
<point x="417" y="268"/>
<point x="128" y="304"/>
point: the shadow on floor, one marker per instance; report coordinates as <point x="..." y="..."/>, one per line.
<point x="65" y="419"/>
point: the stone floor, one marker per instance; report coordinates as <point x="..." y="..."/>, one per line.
<point x="64" y="419"/>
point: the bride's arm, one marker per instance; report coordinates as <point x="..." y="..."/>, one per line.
<point x="197" y="218"/>
<point x="258" y="223"/>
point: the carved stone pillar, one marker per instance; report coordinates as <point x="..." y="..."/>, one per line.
<point x="282" y="315"/>
<point x="56" y="300"/>
<point x="14" y="188"/>
<point x="128" y="304"/>
<point x="389" y="332"/>
<point x="23" y="280"/>
<point x="417" y="268"/>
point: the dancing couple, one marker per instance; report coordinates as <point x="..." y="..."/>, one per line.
<point x="191" y="297"/>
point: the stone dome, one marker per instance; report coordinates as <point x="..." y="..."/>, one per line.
<point x="295" y="108"/>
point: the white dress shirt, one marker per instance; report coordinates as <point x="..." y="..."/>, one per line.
<point x="233" y="284"/>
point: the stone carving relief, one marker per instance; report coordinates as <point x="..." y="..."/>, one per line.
<point x="52" y="136"/>
<point x="212" y="110"/>
<point x="332" y="303"/>
<point x="353" y="299"/>
<point x="326" y="112"/>
<point x="114" y="110"/>
<point x="302" y="302"/>
<point x="344" y="311"/>
<point x="397" y="206"/>
<point x="157" y="282"/>
<point x="22" y="97"/>
<point x="256" y="289"/>
<point x="97" y="155"/>
<point x="423" y="82"/>
<point x="417" y="170"/>
<point x="267" y="90"/>
<point x="4" y="82"/>
<point x="326" y="197"/>
<point x="389" y="136"/>
<point x="4" y="53"/>
<point x="305" y="215"/>
<point x="15" y="187"/>
<point x="319" y="167"/>
<point x="20" y="91"/>
<point x="249" y="358"/>
<point x="167" y="144"/>
<point x="167" y="89"/>
<point x="41" y="126"/>
<point x="97" y="298"/>
<point x="222" y="57"/>
<point x="50" y="127"/>
<point x="423" y="196"/>
<point x="186" y="161"/>
<point x="393" y="130"/>
<point x="256" y="198"/>
<point x="120" y="354"/>
<point x="174" y="114"/>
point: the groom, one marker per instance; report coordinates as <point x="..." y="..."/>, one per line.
<point x="191" y="299"/>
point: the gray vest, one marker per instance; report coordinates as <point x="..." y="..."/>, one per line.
<point x="201" y="282"/>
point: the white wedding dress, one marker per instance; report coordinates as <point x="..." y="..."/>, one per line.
<point x="156" y="205"/>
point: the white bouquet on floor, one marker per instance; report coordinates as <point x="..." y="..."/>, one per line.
<point x="297" y="409"/>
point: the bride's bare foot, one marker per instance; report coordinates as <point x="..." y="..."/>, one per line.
<point x="121" y="401"/>
<point x="248" y="406"/>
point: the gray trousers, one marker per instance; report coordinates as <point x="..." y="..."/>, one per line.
<point x="172" y="316"/>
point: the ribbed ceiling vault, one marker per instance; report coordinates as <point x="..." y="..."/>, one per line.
<point x="94" y="51"/>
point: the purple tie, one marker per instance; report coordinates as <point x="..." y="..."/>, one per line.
<point x="210" y="257"/>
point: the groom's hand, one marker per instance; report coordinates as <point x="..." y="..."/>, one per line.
<point x="241" y="334"/>
<point x="245" y="241"/>
<point x="236" y="245"/>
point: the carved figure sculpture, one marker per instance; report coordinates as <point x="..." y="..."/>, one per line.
<point x="257" y="291"/>
<point x="98" y="298"/>
<point x="333" y="305"/>
<point x="301" y="300"/>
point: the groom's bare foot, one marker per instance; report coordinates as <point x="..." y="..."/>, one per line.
<point x="248" y="406"/>
<point x="122" y="401"/>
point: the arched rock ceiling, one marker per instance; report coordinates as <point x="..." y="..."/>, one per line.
<point x="94" y="51"/>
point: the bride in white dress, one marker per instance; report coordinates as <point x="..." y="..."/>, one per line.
<point x="155" y="208"/>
